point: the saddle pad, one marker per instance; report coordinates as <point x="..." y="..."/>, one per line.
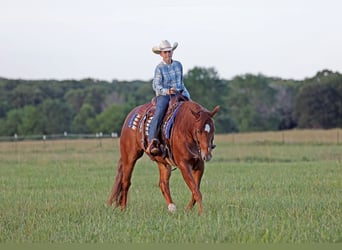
<point x="168" y="124"/>
<point x="133" y="121"/>
<point x="135" y="118"/>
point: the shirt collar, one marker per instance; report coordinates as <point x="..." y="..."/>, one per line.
<point x="166" y="63"/>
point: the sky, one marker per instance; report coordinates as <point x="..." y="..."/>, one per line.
<point x="113" y="39"/>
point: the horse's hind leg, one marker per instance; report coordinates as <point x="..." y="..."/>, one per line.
<point x="128" y="166"/>
<point x="122" y="182"/>
<point x="164" y="177"/>
<point x="115" y="194"/>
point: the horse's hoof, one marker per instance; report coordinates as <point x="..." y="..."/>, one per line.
<point x="172" y="208"/>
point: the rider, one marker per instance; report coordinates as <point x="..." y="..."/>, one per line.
<point x="168" y="79"/>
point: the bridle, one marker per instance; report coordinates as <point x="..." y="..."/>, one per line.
<point x="196" y="131"/>
<point x="198" y="144"/>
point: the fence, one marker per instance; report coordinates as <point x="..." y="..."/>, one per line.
<point x="331" y="136"/>
<point x="64" y="136"/>
<point x="315" y="136"/>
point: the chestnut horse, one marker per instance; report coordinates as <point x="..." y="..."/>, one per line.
<point x="187" y="135"/>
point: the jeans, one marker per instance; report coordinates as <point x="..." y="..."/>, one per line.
<point x="162" y="102"/>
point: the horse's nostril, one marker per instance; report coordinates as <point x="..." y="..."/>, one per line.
<point x="213" y="146"/>
<point x="206" y="158"/>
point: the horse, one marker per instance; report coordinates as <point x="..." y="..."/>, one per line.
<point x="186" y="135"/>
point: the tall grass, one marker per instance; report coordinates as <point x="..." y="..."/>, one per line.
<point x="54" y="191"/>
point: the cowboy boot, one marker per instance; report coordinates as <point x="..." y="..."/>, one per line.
<point x="153" y="147"/>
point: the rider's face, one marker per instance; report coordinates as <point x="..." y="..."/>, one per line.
<point x="167" y="56"/>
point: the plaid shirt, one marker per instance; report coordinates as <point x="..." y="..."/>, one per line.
<point x="168" y="76"/>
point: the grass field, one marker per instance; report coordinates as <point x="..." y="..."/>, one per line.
<point x="254" y="191"/>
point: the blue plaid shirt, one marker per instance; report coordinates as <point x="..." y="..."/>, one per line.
<point x="168" y="76"/>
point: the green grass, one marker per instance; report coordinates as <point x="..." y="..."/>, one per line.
<point x="252" y="193"/>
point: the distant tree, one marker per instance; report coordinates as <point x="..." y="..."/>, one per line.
<point x="10" y="125"/>
<point x="143" y="94"/>
<point x="31" y="122"/>
<point x="95" y="96"/>
<point x="319" y="102"/>
<point x="4" y="103"/>
<point x="134" y="93"/>
<point x="56" y="116"/>
<point x="111" y="99"/>
<point x="22" y="121"/>
<point x="205" y="86"/>
<point x="75" y="98"/>
<point x="251" y="103"/>
<point x="82" y="122"/>
<point x="54" y="89"/>
<point x="25" y="94"/>
<point x="284" y="100"/>
<point x="111" y="119"/>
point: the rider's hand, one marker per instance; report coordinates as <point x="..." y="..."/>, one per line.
<point x="172" y="91"/>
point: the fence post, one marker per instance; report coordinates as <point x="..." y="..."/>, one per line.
<point x="65" y="141"/>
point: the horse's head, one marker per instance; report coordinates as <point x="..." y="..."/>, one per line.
<point x="204" y="130"/>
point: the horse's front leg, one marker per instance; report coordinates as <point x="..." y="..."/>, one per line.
<point x="164" y="177"/>
<point x="197" y="173"/>
<point x="189" y="179"/>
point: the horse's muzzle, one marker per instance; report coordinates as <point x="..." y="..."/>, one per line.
<point x="206" y="157"/>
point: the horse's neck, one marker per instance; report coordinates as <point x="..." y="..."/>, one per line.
<point x="186" y="120"/>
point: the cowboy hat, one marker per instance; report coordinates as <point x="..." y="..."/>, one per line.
<point x="164" y="46"/>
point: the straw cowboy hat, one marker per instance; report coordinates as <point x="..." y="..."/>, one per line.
<point x="164" y="46"/>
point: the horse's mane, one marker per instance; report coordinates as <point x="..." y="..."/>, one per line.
<point x="186" y="119"/>
<point x="194" y="105"/>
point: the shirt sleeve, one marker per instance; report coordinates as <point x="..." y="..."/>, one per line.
<point x="157" y="83"/>
<point x="186" y="92"/>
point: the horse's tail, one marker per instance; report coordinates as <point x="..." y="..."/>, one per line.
<point x="116" y="192"/>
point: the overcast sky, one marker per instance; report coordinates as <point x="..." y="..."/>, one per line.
<point x="112" y="39"/>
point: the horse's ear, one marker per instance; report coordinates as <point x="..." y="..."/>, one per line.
<point x="196" y="114"/>
<point x="215" y="110"/>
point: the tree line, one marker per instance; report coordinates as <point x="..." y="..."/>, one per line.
<point x="248" y="102"/>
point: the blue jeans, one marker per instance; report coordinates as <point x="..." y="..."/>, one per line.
<point x="162" y="102"/>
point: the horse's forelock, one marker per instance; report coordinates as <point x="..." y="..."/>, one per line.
<point x="205" y="122"/>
